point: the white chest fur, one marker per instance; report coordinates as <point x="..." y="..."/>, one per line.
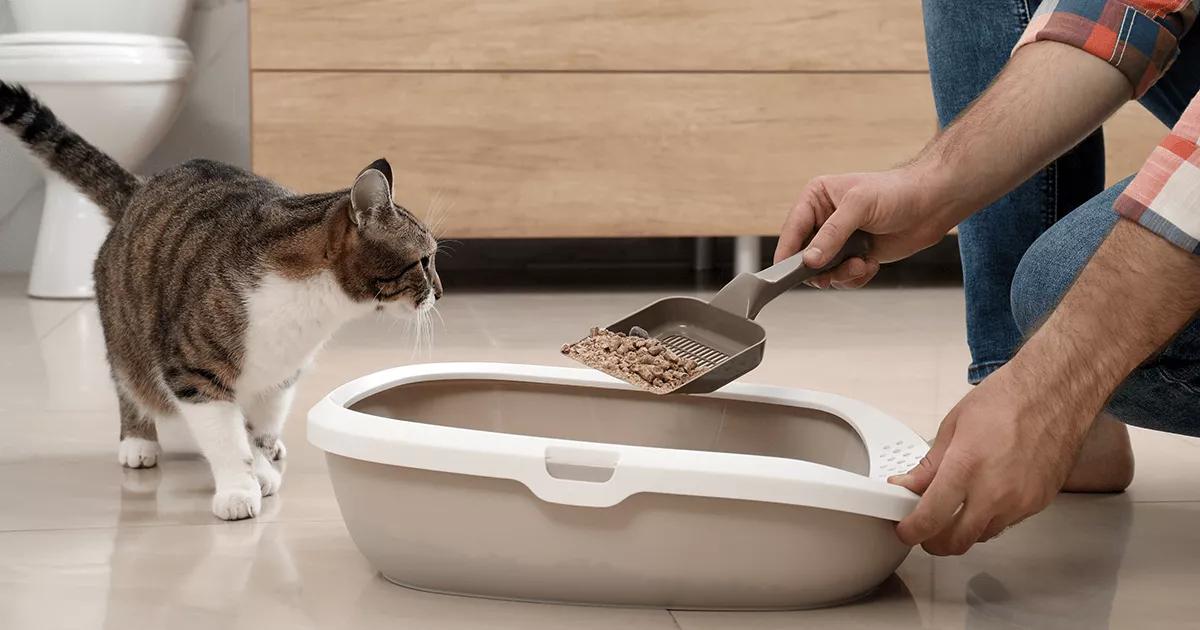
<point x="289" y="321"/>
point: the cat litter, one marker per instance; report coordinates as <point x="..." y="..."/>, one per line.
<point x="635" y="358"/>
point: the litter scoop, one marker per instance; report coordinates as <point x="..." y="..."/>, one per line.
<point x="721" y="335"/>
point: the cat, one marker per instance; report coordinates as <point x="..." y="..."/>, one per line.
<point x="216" y="287"/>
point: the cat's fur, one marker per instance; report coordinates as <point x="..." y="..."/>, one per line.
<point x="216" y="287"/>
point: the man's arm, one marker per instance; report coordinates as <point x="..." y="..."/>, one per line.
<point x="910" y="208"/>
<point x="1048" y="98"/>
<point x="1003" y="453"/>
<point x="1005" y="450"/>
<point x="1134" y="295"/>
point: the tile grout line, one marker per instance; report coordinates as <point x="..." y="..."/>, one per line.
<point x="119" y="526"/>
<point x="62" y="321"/>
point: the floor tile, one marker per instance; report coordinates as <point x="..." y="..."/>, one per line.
<point x="900" y="603"/>
<point x="250" y="575"/>
<point x="94" y="491"/>
<point x="1087" y="562"/>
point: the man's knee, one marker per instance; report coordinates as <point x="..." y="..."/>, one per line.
<point x="1036" y="287"/>
<point x="1053" y="262"/>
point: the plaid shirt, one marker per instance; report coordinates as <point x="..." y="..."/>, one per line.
<point x="1141" y="39"/>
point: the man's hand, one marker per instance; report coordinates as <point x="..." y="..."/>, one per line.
<point x="1001" y="454"/>
<point x="1005" y="450"/>
<point x="900" y="207"/>
<point x="1048" y="98"/>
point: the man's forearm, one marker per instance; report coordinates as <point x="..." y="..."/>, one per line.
<point x="1048" y="98"/>
<point x="1134" y="295"/>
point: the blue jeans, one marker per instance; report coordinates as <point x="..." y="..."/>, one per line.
<point x="1020" y="254"/>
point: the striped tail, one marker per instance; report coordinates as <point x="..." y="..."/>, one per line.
<point x="91" y="171"/>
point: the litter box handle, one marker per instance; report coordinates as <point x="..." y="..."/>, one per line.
<point x="582" y="477"/>
<point x="748" y="293"/>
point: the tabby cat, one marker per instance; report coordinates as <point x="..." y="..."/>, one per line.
<point x="216" y="287"/>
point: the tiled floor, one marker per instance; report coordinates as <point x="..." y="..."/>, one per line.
<point x="86" y="544"/>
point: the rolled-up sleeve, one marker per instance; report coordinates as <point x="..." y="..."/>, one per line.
<point x="1164" y="197"/>
<point x="1141" y="39"/>
<point x="1138" y="37"/>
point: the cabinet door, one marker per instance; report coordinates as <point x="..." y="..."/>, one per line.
<point x="737" y="35"/>
<point x="589" y="154"/>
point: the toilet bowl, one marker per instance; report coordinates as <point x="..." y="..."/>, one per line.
<point x="120" y="92"/>
<point x="165" y="18"/>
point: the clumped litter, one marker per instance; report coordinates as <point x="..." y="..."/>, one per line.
<point x="634" y="358"/>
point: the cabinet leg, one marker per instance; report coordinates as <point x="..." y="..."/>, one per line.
<point x="747" y="254"/>
<point x="703" y="260"/>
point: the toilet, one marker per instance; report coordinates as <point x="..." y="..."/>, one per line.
<point x="119" y="84"/>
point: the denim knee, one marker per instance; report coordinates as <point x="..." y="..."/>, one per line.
<point x="1164" y="392"/>
<point x="1035" y="287"/>
<point x="1055" y="259"/>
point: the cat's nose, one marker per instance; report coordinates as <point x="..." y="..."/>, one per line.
<point x="430" y="298"/>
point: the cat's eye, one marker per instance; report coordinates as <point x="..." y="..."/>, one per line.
<point x="425" y="262"/>
<point x="396" y="278"/>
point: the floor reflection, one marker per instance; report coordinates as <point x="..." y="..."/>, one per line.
<point x="1058" y="571"/>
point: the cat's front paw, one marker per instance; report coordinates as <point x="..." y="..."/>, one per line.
<point x="138" y="453"/>
<point x="271" y="446"/>
<point x="269" y="479"/>
<point x="237" y="502"/>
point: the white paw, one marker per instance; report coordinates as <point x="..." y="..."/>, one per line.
<point x="269" y="479"/>
<point x="272" y="447"/>
<point x="138" y="453"/>
<point x="231" y="504"/>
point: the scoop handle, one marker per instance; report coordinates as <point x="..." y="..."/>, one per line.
<point x="748" y="293"/>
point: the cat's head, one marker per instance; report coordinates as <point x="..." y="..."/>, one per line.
<point x="387" y="255"/>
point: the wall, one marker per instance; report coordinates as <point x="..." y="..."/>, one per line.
<point x="214" y="123"/>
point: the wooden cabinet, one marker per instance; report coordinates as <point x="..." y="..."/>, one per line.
<point x="567" y="118"/>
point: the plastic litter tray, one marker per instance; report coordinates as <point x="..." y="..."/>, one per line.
<point x="564" y="485"/>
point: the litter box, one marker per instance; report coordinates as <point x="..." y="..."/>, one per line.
<point x="565" y="485"/>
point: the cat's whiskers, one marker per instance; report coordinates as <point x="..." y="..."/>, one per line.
<point x="446" y="247"/>
<point x="410" y="331"/>
<point x="433" y="202"/>
<point x="428" y="319"/>
<point x="441" y="220"/>
<point x="421" y="334"/>
<point x="391" y="325"/>
<point x="432" y="209"/>
<point x="420" y="321"/>
<point x="438" y="212"/>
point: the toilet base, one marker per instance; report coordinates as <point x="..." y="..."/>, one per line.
<point x="72" y="230"/>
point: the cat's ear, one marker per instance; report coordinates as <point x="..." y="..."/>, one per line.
<point x="382" y="166"/>
<point x="372" y="192"/>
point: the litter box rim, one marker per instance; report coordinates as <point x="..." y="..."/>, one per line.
<point x="891" y="447"/>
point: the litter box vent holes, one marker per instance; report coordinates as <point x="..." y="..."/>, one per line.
<point x="898" y="457"/>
